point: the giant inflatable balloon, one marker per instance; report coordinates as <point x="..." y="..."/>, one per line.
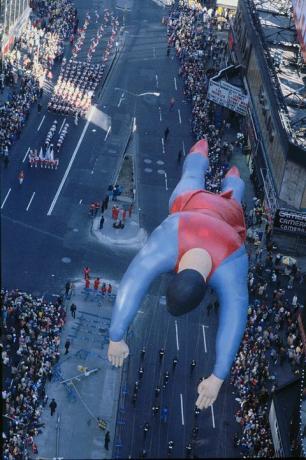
<point x="202" y="243"/>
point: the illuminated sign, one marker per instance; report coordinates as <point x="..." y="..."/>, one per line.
<point x="290" y="221"/>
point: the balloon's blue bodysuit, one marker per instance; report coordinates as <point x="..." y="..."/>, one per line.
<point x="179" y="231"/>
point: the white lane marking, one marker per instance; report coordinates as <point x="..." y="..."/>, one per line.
<point x="176" y="334"/>
<point x="166" y="181"/>
<point x="140" y="311"/>
<point x="43" y="119"/>
<point x="175" y="85"/>
<point x="62" y="125"/>
<point x="30" y="201"/>
<point x="184" y="151"/>
<point x="212" y="415"/>
<point x="163" y="144"/>
<point x="70" y="163"/>
<point x="106" y="135"/>
<point x="92" y="171"/>
<point x="24" y="159"/>
<point x="204" y="337"/>
<point x="179" y="115"/>
<point x="156" y="78"/>
<point x="160" y="114"/>
<point x="80" y="201"/>
<point x="182" y="409"/>
<point x="6" y="197"/>
<point x="121" y="99"/>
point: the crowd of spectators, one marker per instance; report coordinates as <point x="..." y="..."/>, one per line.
<point x="29" y="63"/>
<point x="30" y="341"/>
<point x="272" y="336"/>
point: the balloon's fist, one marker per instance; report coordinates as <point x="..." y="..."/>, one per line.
<point x="117" y="351"/>
<point x="208" y="391"/>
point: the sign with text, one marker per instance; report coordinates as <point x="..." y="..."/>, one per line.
<point x="228" y="95"/>
<point x="290" y="221"/>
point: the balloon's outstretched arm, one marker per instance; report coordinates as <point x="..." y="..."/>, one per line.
<point x="158" y="256"/>
<point x="230" y="284"/>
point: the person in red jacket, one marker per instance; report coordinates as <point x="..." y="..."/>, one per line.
<point x="86" y="271"/>
<point x="96" y="284"/>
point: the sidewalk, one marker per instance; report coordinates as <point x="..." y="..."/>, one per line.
<point x="131" y="236"/>
<point x="73" y="431"/>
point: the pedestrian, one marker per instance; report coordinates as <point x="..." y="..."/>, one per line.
<point x="67" y="288"/>
<point x="106" y="440"/>
<point x="106" y="200"/>
<point x="97" y="207"/>
<point x="102" y="207"/>
<point x="101" y="222"/>
<point x="142" y="354"/>
<point x="103" y="290"/>
<point x="143" y="453"/>
<point x="170" y="448"/>
<point x="87" y="285"/>
<point x="171" y="103"/>
<point x="86" y="271"/>
<point x="140" y="372"/>
<point x="179" y="156"/>
<point x="134" y="399"/>
<point x="166" y="133"/>
<point x="161" y="354"/>
<point x="164" y="414"/>
<point x="136" y="386"/>
<point x="96" y="284"/>
<point x="92" y="209"/>
<point x="168" y="50"/>
<point x="188" y="450"/>
<point x="146" y="428"/>
<point x="195" y="431"/>
<point x="73" y="308"/>
<point x="166" y="378"/>
<point x="196" y="412"/>
<point x="174" y="363"/>
<point x="52" y="406"/>
<point x="109" y="290"/>
<point x="192" y="366"/>
<point x="67" y="345"/>
<point x="39" y="107"/>
<point x="157" y="391"/>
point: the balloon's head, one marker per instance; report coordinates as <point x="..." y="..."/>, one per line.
<point x="185" y="292"/>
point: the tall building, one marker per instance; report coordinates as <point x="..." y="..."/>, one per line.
<point x="13" y="14"/>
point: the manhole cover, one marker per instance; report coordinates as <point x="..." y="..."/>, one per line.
<point x="147" y="161"/>
<point x="148" y="170"/>
<point x="160" y="162"/>
<point x="75" y="230"/>
<point x="161" y="171"/>
<point x="66" y="260"/>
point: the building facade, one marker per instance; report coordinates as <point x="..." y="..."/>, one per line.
<point x="266" y="45"/>
<point x="13" y="14"/>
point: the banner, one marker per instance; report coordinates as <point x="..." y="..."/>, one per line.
<point x="228" y="95"/>
<point x="290" y="221"/>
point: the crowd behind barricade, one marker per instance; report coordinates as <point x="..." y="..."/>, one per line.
<point x="30" y="346"/>
<point x="30" y="62"/>
<point x="272" y="335"/>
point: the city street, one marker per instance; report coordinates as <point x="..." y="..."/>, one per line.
<point x="47" y="239"/>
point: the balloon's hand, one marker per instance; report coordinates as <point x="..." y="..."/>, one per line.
<point x="117" y="351"/>
<point x="208" y="391"/>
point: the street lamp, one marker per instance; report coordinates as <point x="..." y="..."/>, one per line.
<point x="147" y="93"/>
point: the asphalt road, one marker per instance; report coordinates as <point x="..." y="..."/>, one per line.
<point x="46" y="236"/>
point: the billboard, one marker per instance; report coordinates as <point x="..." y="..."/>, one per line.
<point x="228" y="95"/>
<point x="299" y="12"/>
<point x="290" y="221"/>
